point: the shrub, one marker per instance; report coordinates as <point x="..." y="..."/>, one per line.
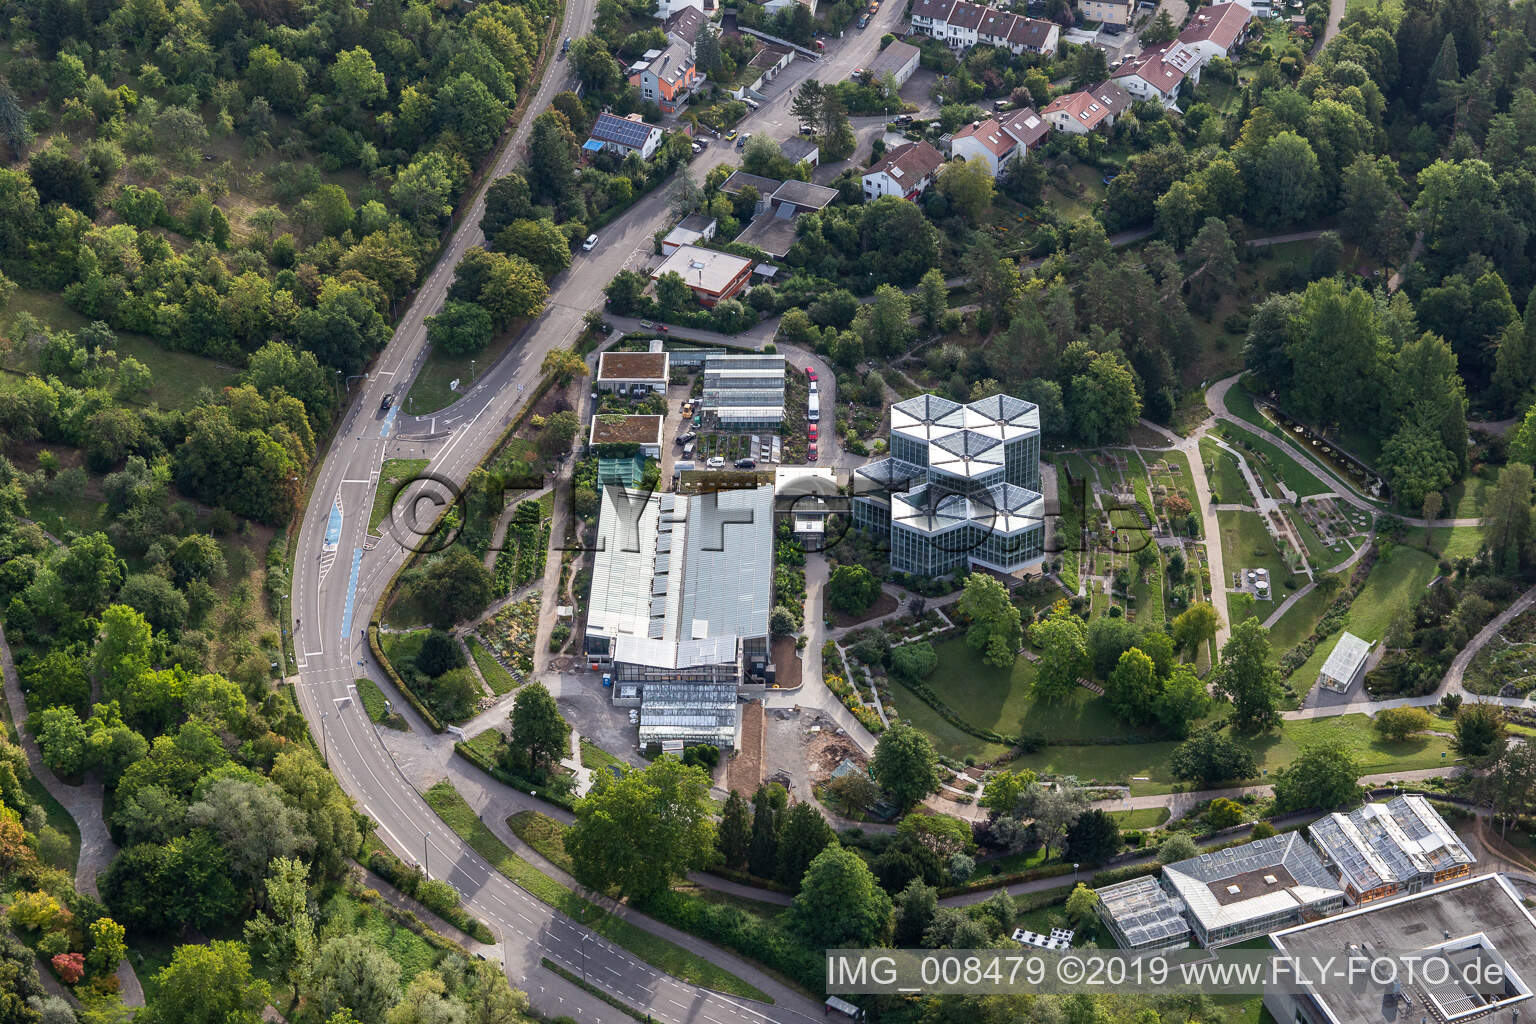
<point x="1224" y="813"/>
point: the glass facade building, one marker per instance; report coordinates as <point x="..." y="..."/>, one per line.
<point x="961" y="488"/>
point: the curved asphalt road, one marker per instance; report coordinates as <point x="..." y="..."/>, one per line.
<point x="339" y="574"/>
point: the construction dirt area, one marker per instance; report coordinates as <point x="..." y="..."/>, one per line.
<point x="744" y="772"/>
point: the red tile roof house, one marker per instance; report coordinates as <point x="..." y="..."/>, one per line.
<point x="1156" y="73"/>
<point x="905" y="171"/>
<point x="997" y="141"/>
<point x="1078" y="113"/>
<point x="1217" y="30"/>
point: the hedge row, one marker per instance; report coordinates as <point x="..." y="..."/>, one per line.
<point x="764" y="942"/>
<point x="1013" y="878"/>
<point x="394" y="677"/>
<point x="541" y="790"/>
<point x="408" y="880"/>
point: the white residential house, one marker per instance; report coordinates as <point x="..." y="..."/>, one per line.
<point x="996" y="141"/>
<point x="1110" y="12"/>
<point x="905" y="171"/>
<point x="1217" y="30"/>
<point x="1079" y="113"/>
<point x="666" y="8"/>
<point x="1157" y="73"/>
<point x="624" y="135"/>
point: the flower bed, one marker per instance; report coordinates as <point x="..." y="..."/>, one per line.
<point x="510" y="633"/>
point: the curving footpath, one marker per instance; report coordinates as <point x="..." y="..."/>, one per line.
<point x="84" y="804"/>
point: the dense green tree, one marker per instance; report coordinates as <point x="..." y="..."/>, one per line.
<point x="637" y="833"/>
<point x="351" y="971"/>
<point x="461" y="329"/>
<point x="1209" y="757"/>
<point x="905" y="765"/>
<point x="1324" y="775"/>
<point x="540" y="737"/>
<point x="210" y="984"/>
<point x="769" y="805"/>
<point x="1479" y="729"/>
<point x="1133" y="688"/>
<point x="1183" y="701"/>
<point x="1093" y="838"/>
<point x="552" y="154"/>
<point x="1507" y="519"/>
<point x="734" y="835"/>
<point x="852" y="588"/>
<point x="804" y="835"/>
<point x="839" y="904"/>
<point x="1062" y="640"/>
<point x="1248" y="678"/>
<point x="540" y="242"/>
<point x="994" y="629"/>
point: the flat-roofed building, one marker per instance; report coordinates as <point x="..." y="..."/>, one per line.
<point x="632" y="371"/>
<point x="804" y="497"/>
<point x="1254" y="889"/>
<point x="793" y="198"/>
<point x="613" y="428"/>
<point x="1472" y="945"/>
<point x="739" y="181"/>
<point x="692" y="229"/>
<point x="1345" y="664"/>
<point x="1140" y="915"/>
<point x="801" y="150"/>
<point x="1386" y="849"/>
<point x="682" y="585"/>
<point x="712" y="275"/>
<point x="744" y="391"/>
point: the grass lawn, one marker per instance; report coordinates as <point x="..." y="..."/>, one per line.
<point x="1003" y="700"/>
<point x="1140" y="818"/>
<point x="496" y="677"/>
<point x="658" y="952"/>
<point x="376" y="705"/>
<point x="1245" y="544"/>
<point x="487" y="744"/>
<point x="1393" y="584"/>
<point x="345" y="913"/>
<point x="1467" y="498"/>
<point x="544" y="834"/>
<point x="598" y="759"/>
<point x="401" y="648"/>
<point x="59" y="514"/>
<point x="948" y="739"/>
<point x="392" y="476"/>
<point x="1298" y="622"/>
<point x="1226" y="480"/>
<point x="430" y="392"/>
<point x="1456" y="541"/>
<point x="177" y="376"/>
<point x="1240" y="404"/>
<point x="1127" y="762"/>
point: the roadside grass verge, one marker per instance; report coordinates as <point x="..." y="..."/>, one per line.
<point x="392" y="476"/>
<point x="598" y="759"/>
<point x="658" y="952"/>
<point x="544" y="834"/>
<point x="376" y="705"/>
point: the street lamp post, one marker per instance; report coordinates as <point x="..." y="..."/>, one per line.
<point x="426" y="854"/>
<point x="584" y="939"/>
<point x="324" y="747"/>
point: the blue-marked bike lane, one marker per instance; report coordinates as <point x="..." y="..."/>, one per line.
<point x="333" y="526"/>
<point x="389" y="421"/>
<point x="346" y="616"/>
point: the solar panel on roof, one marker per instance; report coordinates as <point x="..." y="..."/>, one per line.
<point x="621" y="130"/>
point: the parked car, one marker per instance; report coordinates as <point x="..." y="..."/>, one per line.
<point x="730" y="135"/>
<point x="741" y="141"/>
<point x="698" y="418"/>
<point x="647" y="325"/>
<point x="806" y="129"/>
<point x="589" y="244"/>
<point x="688" y="450"/>
<point x="863" y="21"/>
<point x="745" y="464"/>
<point x="820" y="46"/>
<point x="715" y="462"/>
<point x="810" y="373"/>
<point x="387" y="401"/>
<point x="813" y="386"/>
<point x="810" y="431"/>
<point x="697" y="149"/>
<point x="810" y="454"/>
